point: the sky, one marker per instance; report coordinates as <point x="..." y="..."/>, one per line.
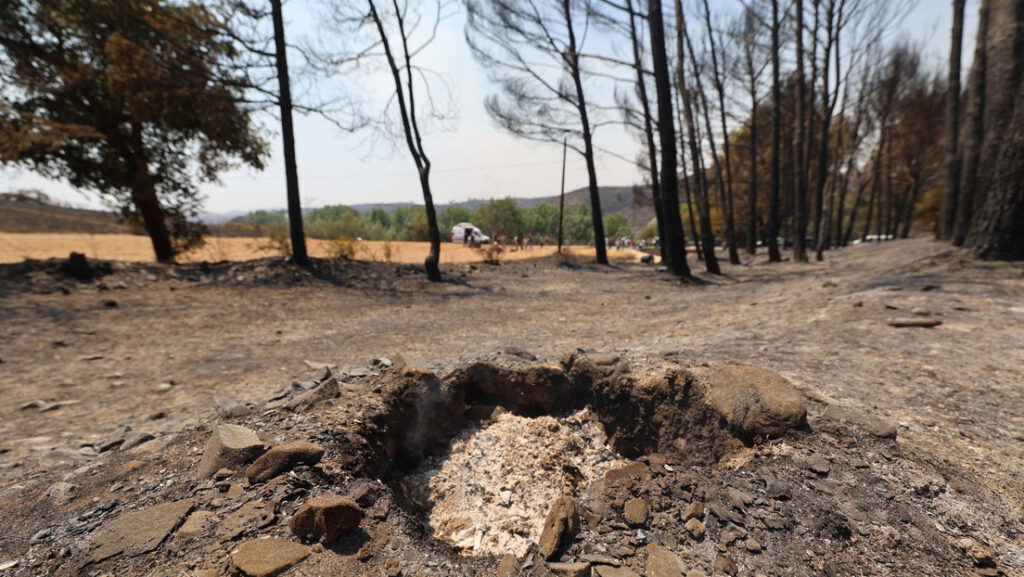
<point x="472" y="159"/>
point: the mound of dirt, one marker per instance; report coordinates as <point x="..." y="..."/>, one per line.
<point x="695" y="496"/>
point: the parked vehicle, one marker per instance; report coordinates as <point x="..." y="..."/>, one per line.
<point x="468" y="233"/>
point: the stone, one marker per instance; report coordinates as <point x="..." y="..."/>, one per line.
<point x="663" y="563"/>
<point x="283" y="458"/>
<point x="731" y="533"/>
<point x="609" y="571"/>
<point x="560" y="526"/>
<point x="694" y="511"/>
<point x="570" y="569"/>
<point x="753" y="545"/>
<point x="508" y="566"/>
<point x="229" y="408"/>
<point x="603" y="359"/>
<point x="873" y="425"/>
<point x="140" y="531"/>
<point x="636" y="512"/>
<point x="135" y="439"/>
<point x="724" y="563"/>
<point x="634" y="471"/>
<point x="230" y="446"/>
<point x="738" y="499"/>
<point x="695" y="527"/>
<point x="914" y="322"/>
<point x="755" y="403"/>
<point x="328" y="390"/>
<point x="196" y="524"/>
<point x="268" y="557"/>
<point x="776" y="489"/>
<point x="818" y="464"/>
<point x="326" y="518"/>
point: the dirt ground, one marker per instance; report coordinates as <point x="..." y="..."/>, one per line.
<point x="150" y="347"/>
<point x="15" y="247"/>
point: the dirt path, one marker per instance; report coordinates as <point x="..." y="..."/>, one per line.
<point x="955" y="391"/>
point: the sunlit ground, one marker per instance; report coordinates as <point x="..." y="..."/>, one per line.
<point x="15" y="247"/>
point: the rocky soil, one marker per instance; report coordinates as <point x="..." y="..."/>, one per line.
<point x="254" y="419"/>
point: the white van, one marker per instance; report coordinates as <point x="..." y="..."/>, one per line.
<point x="465" y="232"/>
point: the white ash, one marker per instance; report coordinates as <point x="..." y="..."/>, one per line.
<point x="490" y="493"/>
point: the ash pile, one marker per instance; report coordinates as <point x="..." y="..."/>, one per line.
<point x="590" y="465"/>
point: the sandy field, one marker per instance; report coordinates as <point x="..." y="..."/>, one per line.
<point x="15" y="247"/>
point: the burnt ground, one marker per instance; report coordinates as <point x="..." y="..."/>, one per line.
<point x="149" y="348"/>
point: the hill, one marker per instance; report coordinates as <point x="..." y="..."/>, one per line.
<point x="21" y="213"/>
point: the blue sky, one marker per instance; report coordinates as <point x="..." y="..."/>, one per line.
<point x="473" y="159"/>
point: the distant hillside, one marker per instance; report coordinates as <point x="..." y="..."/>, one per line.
<point x="639" y="211"/>
<point x="33" y="215"/>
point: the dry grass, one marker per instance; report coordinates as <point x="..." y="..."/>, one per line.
<point x="15" y="247"/>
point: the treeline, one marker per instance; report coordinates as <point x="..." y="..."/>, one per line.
<point x="501" y="219"/>
<point x="777" y="123"/>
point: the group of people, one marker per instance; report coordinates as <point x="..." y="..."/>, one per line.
<point x="624" y="242"/>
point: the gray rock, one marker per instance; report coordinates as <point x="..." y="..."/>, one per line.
<point x="141" y="531"/>
<point x="135" y="439"/>
<point x="231" y="447"/>
<point x="914" y="322"/>
<point x="732" y="532"/>
<point x="873" y="425"/>
<point x="818" y="464"/>
<point x="328" y="390"/>
<point x="776" y="489"/>
<point x="229" y="408"/>
<point x="608" y="571"/>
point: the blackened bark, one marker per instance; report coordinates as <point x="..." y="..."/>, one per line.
<point x="291" y="172"/>
<point x="974" y="132"/>
<point x="726" y="195"/>
<point x="700" y="192"/>
<point x="952" y="196"/>
<point x="600" y="244"/>
<point x="652" y="149"/>
<point x="145" y="199"/>
<point x="799" y="160"/>
<point x="774" y="217"/>
<point x="674" y="241"/>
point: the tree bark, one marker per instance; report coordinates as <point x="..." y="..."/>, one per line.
<point x="146" y="201"/>
<point x="726" y="196"/>
<point x="291" y="172"/>
<point x="799" y="161"/>
<point x="700" y="194"/>
<point x="974" y="132"/>
<point x="413" y="139"/>
<point x="774" y="217"/>
<point x="675" y="240"/>
<point x="947" y="216"/>
<point x="652" y="149"/>
<point x="573" y="57"/>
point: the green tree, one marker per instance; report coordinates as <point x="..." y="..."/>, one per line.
<point x="616" y="225"/>
<point x="450" y="217"/>
<point x="542" y="220"/>
<point x="402" y="217"/>
<point x="500" y="218"/>
<point x="132" y="100"/>
<point x="577" y="225"/>
<point x="379" y="217"/>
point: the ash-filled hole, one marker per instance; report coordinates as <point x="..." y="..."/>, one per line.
<point x="490" y="491"/>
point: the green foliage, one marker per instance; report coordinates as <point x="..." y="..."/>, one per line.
<point x="542" y="221"/>
<point x="137" y="101"/>
<point x="579" y="228"/>
<point x="418" y="230"/>
<point x="263" y="218"/>
<point x="651" y="230"/>
<point x="617" y="226"/>
<point x="450" y="217"/>
<point x="500" y="218"/>
<point x="379" y="217"/>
